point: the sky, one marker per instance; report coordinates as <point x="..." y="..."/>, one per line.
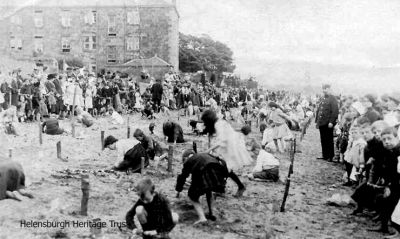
<point x="348" y="43"/>
<point x="358" y="37"/>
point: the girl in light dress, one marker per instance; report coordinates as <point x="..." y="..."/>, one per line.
<point x="280" y="129"/>
<point x="138" y="101"/>
<point x="229" y="146"/>
<point x="90" y="91"/>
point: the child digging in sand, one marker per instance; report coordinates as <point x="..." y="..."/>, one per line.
<point x="151" y="216"/>
<point x="208" y="175"/>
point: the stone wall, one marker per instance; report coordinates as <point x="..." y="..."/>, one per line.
<point x="158" y="32"/>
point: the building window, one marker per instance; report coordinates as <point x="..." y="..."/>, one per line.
<point x="112" y="54"/>
<point x="89" y="43"/>
<point x="90" y="17"/>
<point x="66" y="19"/>
<point x="133" y="17"/>
<point x="15" y="43"/>
<point x="38" y="19"/>
<point x="17" y="20"/>
<point x="38" y="44"/>
<point x="133" y="43"/>
<point x="65" y="44"/>
<point x="19" y="43"/>
<point x="92" y="66"/>
<point x="112" y="26"/>
<point x="12" y="43"/>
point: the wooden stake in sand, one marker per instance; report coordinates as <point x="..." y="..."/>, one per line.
<point x="142" y="166"/>
<point x="170" y="158"/>
<point x="73" y="129"/>
<point x="128" y="131"/>
<point x="40" y="132"/>
<point x="85" y="186"/>
<point x="286" y="193"/>
<point x="73" y="102"/>
<point x="195" y="147"/>
<point x="10" y="153"/>
<point x="102" y="140"/>
<point x="9" y="99"/>
<point x="59" y="150"/>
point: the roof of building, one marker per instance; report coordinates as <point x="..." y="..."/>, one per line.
<point x="7" y="10"/>
<point x="154" y="61"/>
<point x="98" y="3"/>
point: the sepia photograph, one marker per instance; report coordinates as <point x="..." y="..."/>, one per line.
<point x="199" y="119"/>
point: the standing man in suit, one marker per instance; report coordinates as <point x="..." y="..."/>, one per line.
<point x="157" y="92"/>
<point x="326" y="117"/>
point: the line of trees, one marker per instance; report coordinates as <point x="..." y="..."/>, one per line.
<point x="203" y="53"/>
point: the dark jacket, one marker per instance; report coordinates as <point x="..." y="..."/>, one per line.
<point x="375" y="150"/>
<point x="52" y="127"/>
<point x="328" y="111"/>
<point x="389" y="167"/>
<point x="157" y="91"/>
<point x="159" y="216"/>
<point x="173" y="131"/>
<point x="12" y="177"/>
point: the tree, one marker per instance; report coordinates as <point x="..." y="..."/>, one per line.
<point x="252" y="84"/>
<point x="203" y="53"/>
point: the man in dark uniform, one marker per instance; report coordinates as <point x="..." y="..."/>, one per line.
<point x="157" y="92"/>
<point x="326" y="117"/>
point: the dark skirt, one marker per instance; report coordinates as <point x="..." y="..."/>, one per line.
<point x="12" y="177"/>
<point x="211" y="179"/>
<point x="133" y="158"/>
<point x="57" y="131"/>
<point x="365" y="195"/>
<point x="269" y="174"/>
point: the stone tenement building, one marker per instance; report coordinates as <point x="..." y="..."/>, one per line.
<point x="101" y="33"/>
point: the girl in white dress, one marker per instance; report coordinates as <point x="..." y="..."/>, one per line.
<point x="138" y="101"/>
<point x="89" y="98"/>
<point x="229" y="146"/>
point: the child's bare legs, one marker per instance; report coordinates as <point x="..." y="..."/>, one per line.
<point x="14" y="195"/>
<point x="276" y="145"/>
<point x="175" y="217"/>
<point x="200" y="212"/>
<point x="241" y="187"/>
<point x="283" y="144"/>
<point x="141" y="215"/>
<point x="209" y="203"/>
<point x="25" y="193"/>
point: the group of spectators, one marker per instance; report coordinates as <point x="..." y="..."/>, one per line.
<point x="362" y="133"/>
<point x="366" y="130"/>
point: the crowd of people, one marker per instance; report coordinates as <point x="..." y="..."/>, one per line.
<point x="362" y="133"/>
<point x="366" y="132"/>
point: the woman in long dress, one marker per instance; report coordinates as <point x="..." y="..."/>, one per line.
<point x="229" y="146"/>
<point x="69" y="94"/>
<point x="89" y="98"/>
<point x="280" y="129"/>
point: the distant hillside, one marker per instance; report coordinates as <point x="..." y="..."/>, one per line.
<point x="344" y="79"/>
